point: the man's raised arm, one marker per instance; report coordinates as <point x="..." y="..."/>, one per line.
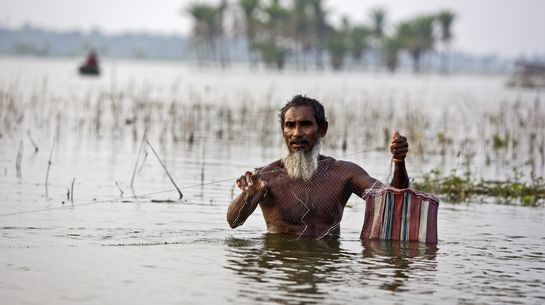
<point x="399" y="148"/>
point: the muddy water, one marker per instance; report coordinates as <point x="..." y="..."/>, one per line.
<point x="106" y="245"/>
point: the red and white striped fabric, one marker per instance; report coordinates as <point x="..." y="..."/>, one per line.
<point x="400" y="214"/>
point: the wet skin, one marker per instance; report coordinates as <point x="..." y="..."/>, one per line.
<point x="312" y="207"/>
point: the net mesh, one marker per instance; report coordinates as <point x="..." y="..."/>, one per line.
<point x="305" y="208"/>
<point x="313" y="208"/>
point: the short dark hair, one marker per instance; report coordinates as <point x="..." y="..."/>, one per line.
<point x="301" y="100"/>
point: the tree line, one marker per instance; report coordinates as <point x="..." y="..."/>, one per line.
<point x="299" y="32"/>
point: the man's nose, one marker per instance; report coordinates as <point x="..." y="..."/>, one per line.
<point x="297" y="131"/>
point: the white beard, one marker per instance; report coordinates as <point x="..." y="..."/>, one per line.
<point x="300" y="164"/>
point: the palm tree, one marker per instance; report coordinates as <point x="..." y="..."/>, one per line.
<point x="208" y="32"/>
<point x="204" y="29"/>
<point x="273" y="44"/>
<point x="445" y="18"/>
<point x="220" y="33"/>
<point x="300" y="29"/>
<point x="319" y="29"/>
<point x="378" y="21"/>
<point x="337" y="45"/>
<point x="391" y="46"/>
<point x="250" y="9"/>
<point x="417" y="37"/>
<point x="272" y="55"/>
<point x="359" y="42"/>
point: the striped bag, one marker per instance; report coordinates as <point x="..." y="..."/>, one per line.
<point x="400" y="214"/>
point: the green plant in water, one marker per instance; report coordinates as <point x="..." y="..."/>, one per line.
<point x="499" y="142"/>
<point x="442" y="138"/>
<point x="455" y="188"/>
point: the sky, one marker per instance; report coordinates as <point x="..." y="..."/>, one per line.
<point x="483" y="27"/>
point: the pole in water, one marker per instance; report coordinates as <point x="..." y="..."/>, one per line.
<point x="144" y="137"/>
<point x="166" y="170"/>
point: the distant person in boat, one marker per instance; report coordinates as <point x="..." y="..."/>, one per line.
<point x="304" y="193"/>
<point x="91" y="64"/>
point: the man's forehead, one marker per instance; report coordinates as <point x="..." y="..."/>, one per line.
<point x="302" y="112"/>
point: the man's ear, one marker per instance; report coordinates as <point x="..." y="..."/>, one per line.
<point x="323" y="129"/>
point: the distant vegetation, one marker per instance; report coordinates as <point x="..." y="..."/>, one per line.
<point x="301" y="33"/>
<point x="31" y="41"/>
<point x="244" y="35"/>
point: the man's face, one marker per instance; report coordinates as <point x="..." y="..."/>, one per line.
<point x="301" y="131"/>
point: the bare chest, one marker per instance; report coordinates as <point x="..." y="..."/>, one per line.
<point x="320" y="200"/>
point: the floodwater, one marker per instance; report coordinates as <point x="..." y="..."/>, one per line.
<point x="107" y="243"/>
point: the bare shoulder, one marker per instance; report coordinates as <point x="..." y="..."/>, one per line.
<point x="347" y="166"/>
<point x="358" y="179"/>
<point x="268" y="169"/>
<point x="273" y="165"/>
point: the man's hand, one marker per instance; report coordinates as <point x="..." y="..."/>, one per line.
<point x="253" y="190"/>
<point x="399" y="147"/>
<point x="252" y="183"/>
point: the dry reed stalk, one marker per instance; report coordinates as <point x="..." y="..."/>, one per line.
<point x="120" y="189"/>
<point x="32" y="141"/>
<point x="202" y="170"/>
<point x="48" y="168"/>
<point x="20" y="151"/>
<point x="143" y="161"/>
<point x="517" y="118"/>
<point x="98" y="115"/>
<point x="72" y="191"/>
<point x="166" y="170"/>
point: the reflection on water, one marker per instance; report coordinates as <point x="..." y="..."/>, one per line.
<point x="404" y="257"/>
<point x="286" y="270"/>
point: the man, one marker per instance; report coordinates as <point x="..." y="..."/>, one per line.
<point x="304" y="193"/>
<point x="92" y="60"/>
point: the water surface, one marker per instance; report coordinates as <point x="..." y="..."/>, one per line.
<point x="109" y="246"/>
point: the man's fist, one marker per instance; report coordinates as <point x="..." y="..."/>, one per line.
<point x="251" y="182"/>
<point x="399" y="147"/>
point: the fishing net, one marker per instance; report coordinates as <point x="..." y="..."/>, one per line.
<point x="313" y="208"/>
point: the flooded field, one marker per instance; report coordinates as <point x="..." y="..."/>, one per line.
<point x="86" y="236"/>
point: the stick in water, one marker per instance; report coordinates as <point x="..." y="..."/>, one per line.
<point x="49" y="166"/>
<point x="166" y="170"/>
<point x="144" y="137"/>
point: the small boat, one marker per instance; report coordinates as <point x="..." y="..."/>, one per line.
<point x="88" y="70"/>
<point x="528" y="75"/>
<point x="90" y="67"/>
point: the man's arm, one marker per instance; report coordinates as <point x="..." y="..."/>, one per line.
<point x="399" y="148"/>
<point x="360" y="181"/>
<point x="253" y="190"/>
<point x="401" y="178"/>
